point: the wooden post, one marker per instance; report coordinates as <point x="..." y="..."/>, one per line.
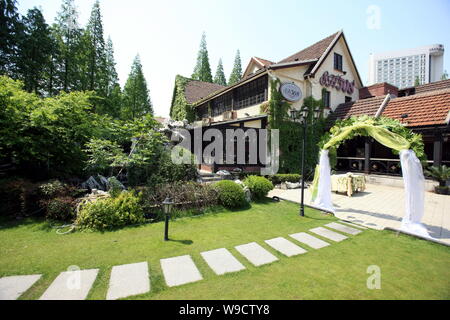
<point x="437" y="149"/>
<point x="367" y="151"/>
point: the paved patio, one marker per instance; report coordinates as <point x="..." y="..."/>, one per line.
<point x="383" y="206"/>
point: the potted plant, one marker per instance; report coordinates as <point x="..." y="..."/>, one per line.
<point x="441" y="174"/>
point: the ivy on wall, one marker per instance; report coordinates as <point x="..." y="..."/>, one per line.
<point x="291" y="133"/>
<point x="180" y="108"/>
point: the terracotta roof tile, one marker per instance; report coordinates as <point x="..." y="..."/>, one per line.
<point x="196" y="90"/>
<point x="312" y="52"/>
<point x="443" y="84"/>
<point x="424" y="109"/>
<point x="264" y="61"/>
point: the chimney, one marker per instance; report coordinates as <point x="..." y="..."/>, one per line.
<point x="378" y="89"/>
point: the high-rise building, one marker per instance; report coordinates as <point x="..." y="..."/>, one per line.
<point x="401" y="68"/>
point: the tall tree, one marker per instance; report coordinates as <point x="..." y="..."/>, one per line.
<point x="236" y="73"/>
<point x="113" y="91"/>
<point x="35" y="50"/>
<point x="96" y="54"/>
<point x="68" y="35"/>
<point x="202" y="70"/>
<point x="10" y="34"/>
<point x="219" y="78"/>
<point x="136" y="98"/>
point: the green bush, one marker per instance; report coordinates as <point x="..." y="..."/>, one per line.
<point x="61" y="208"/>
<point x="259" y="186"/>
<point x="230" y="194"/>
<point x="284" y="177"/>
<point x="110" y="213"/>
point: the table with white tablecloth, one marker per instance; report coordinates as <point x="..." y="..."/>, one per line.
<point x="348" y="183"/>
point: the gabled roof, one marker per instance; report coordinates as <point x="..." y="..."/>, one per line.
<point x="433" y="86"/>
<point x="357" y="108"/>
<point x="263" y="62"/>
<point x="196" y="90"/>
<point x="314" y="51"/>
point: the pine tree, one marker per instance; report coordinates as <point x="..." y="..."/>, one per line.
<point x="202" y="70"/>
<point x="68" y="36"/>
<point x="136" y="99"/>
<point x="113" y="91"/>
<point x="219" y="78"/>
<point x="236" y="73"/>
<point x="35" y="51"/>
<point x="96" y="52"/>
<point x="10" y="35"/>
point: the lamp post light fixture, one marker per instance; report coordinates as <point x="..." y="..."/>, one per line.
<point x="303" y="117"/>
<point x="167" y="208"/>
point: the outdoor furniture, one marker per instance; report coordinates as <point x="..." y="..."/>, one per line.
<point x="348" y="183"/>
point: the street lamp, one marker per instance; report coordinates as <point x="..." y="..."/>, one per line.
<point x="167" y="208"/>
<point x="303" y="117"/>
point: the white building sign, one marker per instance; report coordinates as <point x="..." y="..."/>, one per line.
<point x="291" y="92"/>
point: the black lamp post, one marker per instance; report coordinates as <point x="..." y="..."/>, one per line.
<point x="302" y="115"/>
<point x="167" y="208"/>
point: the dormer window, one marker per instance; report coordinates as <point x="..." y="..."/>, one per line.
<point x="337" y="62"/>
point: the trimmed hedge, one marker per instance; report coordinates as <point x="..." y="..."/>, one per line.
<point x="259" y="186"/>
<point x="230" y="194"/>
<point x="284" y="177"/>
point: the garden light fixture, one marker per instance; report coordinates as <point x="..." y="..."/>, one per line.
<point x="167" y="208"/>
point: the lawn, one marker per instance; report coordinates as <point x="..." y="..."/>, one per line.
<point x="410" y="268"/>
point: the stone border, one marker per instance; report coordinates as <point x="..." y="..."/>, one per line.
<point x="417" y="236"/>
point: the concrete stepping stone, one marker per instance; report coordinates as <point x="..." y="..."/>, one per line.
<point x="343" y="228"/>
<point x="13" y="287"/>
<point x="180" y="270"/>
<point x="71" y="285"/>
<point x="256" y="254"/>
<point x="356" y="225"/>
<point x="128" y="280"/>
<point x="309" y="240"/>
<point x="222" y="261"/>
<point x="285" y="246"/>
<point x="328" y="234"/>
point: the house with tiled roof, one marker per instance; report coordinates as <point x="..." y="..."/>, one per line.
<point x="425" y="109"/>
<point x="324" y="70"/>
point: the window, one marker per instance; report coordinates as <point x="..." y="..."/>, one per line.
<point x="338" y="61"/>
<point x="348" y="99"/>
<point x="326" y="98"/>
<point x="251" y="93"/>
<point x="202" y="111"/>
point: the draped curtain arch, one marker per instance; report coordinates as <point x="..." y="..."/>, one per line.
<point x="414" y="181"/>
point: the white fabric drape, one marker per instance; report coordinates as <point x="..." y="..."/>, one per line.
<point x="323" y="199"/>
<point x="414" y="182"/>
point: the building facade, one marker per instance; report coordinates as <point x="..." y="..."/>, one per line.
<point x="401" y="68"/>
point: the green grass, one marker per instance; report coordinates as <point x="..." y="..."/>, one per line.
<point x="410" y="268"/>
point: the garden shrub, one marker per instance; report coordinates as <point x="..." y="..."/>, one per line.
<point x="110" y="213"/>
<point x="115" y="187"/>
<point x="61" y="208"/>
<point x="284" y="177"/>
<point x="188" y="197"/>
<point x="259" y="186"/>
<point x="230" y="194"/>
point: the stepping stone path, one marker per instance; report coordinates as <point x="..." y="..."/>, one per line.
<point x="222" y="261"/>
<point x="12" y="287"/>
<point x="180" y="270"/>
<point x="328" y="234"/>
<point x="285" y="246"/>
<point x="343" y="228"/>
<point x="256" y="254"/>
<point x="133" y="279"/>
<point x="309" y="240"/>
<point x="128" y="280"/>
<point x="71" y="285"/>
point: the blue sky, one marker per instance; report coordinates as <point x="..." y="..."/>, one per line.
<point x="167" y="33"/>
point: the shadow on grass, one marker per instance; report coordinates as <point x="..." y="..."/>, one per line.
<point x="185" y="242"/>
